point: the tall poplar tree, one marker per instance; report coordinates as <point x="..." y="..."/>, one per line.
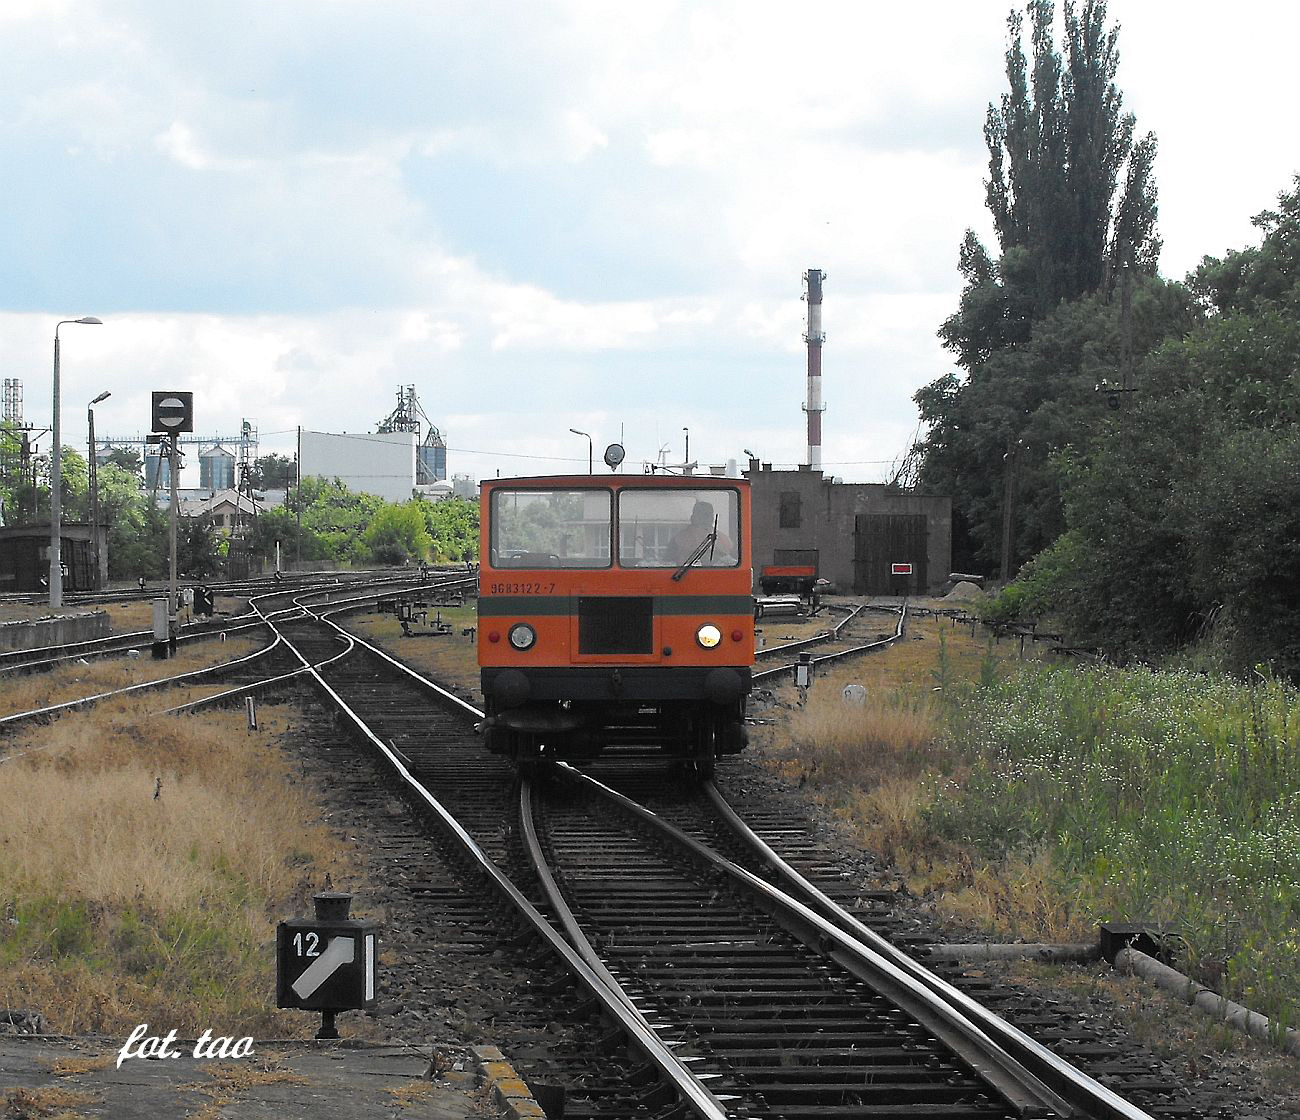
<point x="1073" y="202"/>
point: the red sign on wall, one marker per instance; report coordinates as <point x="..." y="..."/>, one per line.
<point x="900" y="569"/>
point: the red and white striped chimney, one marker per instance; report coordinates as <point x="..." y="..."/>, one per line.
<point x="814" y="337"/>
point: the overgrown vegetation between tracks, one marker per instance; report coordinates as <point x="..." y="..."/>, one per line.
<point x="144" y="862"/>
<point x="1037" y="800"/>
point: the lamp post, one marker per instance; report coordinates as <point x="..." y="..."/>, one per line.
<point x="56" y="475"/>
<point x="686" y="463"/>
<point x="590" y="463"/>
<point x="94" y="484"/>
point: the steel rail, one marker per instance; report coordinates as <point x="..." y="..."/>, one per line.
<point x="352" y="641"/>
<point x="817" y="639"/>
<point x="1003" y="1073"/>
<point x="17" y="660"/>
<point x="292" y="582"/>
<point x="689" y="1089"/>
<point x="162" y="682"/>
<point x="449" y="698"/>
<point x="1071" y="1083"/>
<point x="560" y="905"/>
<point x="10" y="660"/>
<point x="143" y="686"/>
<point x="769" y="674"/>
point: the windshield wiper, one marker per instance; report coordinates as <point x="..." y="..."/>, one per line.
<point x="706" y="545"/>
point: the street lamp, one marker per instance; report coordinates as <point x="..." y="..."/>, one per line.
<point x="94" y="484"/>
<point x="590" y="464"/>
<point x="56" y="475"/>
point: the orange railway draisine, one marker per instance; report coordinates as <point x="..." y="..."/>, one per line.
<point x="615" y="611"/>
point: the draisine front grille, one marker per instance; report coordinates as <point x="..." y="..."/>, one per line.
<point x="615" y="624"/>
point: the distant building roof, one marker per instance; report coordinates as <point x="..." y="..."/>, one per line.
<point x="223" y="501"/>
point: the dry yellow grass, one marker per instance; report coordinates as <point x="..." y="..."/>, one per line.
<point x="45" y="1104"/>
<point x="144" y="861"/>
<point x="28" y="692"/>
<point x="227" y="1081"/>
<point x="75" y="1067"/>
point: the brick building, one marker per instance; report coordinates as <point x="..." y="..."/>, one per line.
<point x="859" y="530"/>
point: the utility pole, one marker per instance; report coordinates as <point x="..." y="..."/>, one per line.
<point x="1014" y="447"/>
<point x="94" y="489"/>
<point x="297" y="462"/>
<point x="94" y="500"/>
<point x="173" y="607"/>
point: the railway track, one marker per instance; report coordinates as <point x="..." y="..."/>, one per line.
<point x="43" y="658"/>
<point x="292" y="582"/>
<point x="274" y="664"/>
<point x="779" y="899"/>
<point x="688" y="983"/>
<point x="732" y="1010"/>
<point x="847" y="638"/>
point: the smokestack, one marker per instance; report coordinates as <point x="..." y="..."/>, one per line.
<point x="814" y="338"/>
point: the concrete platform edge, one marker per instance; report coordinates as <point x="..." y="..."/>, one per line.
<point x="505" y="1087"/>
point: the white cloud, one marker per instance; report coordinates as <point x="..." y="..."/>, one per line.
<point x="296" y="208"/>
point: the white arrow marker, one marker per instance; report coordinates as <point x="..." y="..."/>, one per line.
<point x="340" y="951"/>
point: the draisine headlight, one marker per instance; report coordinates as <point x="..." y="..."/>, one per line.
<point x="708" y="635"/>
<point x="522" y="636"/>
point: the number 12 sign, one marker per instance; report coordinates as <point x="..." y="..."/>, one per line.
<point x="325" y="966"/>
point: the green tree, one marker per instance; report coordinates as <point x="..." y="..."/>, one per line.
<point x="1059" y="148"/>
<point x="137" y="533"/>
<point x="196" y="547"/>
<point x="453" y="525"/>
<point x="273" y="472"/>
<point x="12" y="474"/>
<point x="1242" y="537"/>
<point x="338" y="517"/>
<point x="397" y="534"/>
<point x="282" y="525"/>
<point x="75" y="495"/>
<point x="128" y="458"/>
<point x="1182" y="513"/>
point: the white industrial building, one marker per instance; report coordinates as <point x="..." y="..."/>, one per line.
<point x="379" y="463"/>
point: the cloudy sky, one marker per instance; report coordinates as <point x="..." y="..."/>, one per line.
<point x="551" y="214"/>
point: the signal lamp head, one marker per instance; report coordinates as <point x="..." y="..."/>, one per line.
<point x="708" y="635"/>
<point x="522" y="636"/>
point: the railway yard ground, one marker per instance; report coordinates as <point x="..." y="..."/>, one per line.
<point x="126" y="615"/>
<point x="172" y="924"/>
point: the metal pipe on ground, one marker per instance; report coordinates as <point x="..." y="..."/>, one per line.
<point x="1203" y="999"/>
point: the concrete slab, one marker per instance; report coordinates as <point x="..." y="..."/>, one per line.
<point x="78" y="1077"/>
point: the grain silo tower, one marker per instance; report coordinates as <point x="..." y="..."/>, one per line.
<point x="216" y="469"/>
